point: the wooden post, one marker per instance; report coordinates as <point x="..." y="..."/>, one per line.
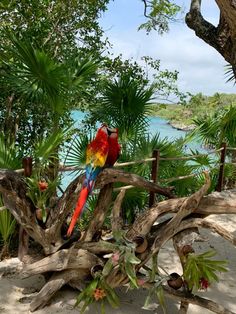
<point x="154" y="172"/>
<point x="23" y="235"/>
<point x="222" y="166"/>
<point x="27" y="165"/>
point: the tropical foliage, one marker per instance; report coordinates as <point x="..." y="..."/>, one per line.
<point x="215" y="129"/>
<point x="200" y="270"/>
<point x="9" y="159"/>
<point x="7" y="228"/>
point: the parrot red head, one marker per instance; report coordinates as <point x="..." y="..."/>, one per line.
<point x="112" y="132"/>
<point x="102" y="131"/>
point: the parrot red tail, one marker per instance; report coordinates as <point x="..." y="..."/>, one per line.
<point x="78" y="209"/>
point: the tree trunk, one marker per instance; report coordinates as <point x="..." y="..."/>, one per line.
<point x="222" y="37"/>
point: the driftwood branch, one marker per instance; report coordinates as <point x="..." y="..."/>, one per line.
<point x="55" y="283"/>
<point x="62" y="260"/>
<point x="117" y="221"/>
<point x="99" y="215"/>
<point x="215" y="203"/>
<point x="197" y="300"/>
<point x="204" y="223"/>
<point x="189" y="205"/>
<point x="111" y="175"/>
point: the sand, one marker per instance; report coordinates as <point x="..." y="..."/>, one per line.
<point x="16" y="293"/>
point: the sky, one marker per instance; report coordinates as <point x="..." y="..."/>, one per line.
<point x="200" y="66"/>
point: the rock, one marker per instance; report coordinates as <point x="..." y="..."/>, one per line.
<point x="10" y="266"/>
<point x="180" y="126"/>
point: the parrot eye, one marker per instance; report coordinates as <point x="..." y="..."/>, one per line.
<point x="111" y="130"/>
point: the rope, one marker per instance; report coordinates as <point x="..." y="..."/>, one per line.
<point x="192" y="156"/>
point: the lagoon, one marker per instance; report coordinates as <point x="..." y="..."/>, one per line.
<point x="156" y="125"/>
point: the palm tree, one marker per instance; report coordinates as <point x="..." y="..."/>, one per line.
<point x="215" y="129"/>
<point x="125" y="104"/>
<point x="44" y="89"/>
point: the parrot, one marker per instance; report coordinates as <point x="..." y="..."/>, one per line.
<point x="114" y="147"/>
<point x="96" y="156"/>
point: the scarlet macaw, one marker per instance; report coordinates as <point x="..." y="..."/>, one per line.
<point x="114" y="147"/>
<point x="96" y="155"/>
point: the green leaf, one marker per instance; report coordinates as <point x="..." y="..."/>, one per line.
<point x="147" y="302"/>
<point x="131" y="273"/>
<point x="111" y="295"/>
<point x="132" y="259"/>
<point x="102" y="307"/>
<point x="86" y="303"/>
<point x="7" y="224"/>
<point x="80" y="298"/>
<point x="92" y="286"/>
<point x="107" y="268"/>
<point x="207" y="254"/>
<point x="161" y="298"/>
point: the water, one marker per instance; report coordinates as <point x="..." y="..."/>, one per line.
<point x="157" y="125"/>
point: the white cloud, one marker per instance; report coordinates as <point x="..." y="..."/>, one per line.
<point x="201" y="67"/>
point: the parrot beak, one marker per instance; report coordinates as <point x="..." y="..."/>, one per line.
<point x="111" y="130"/>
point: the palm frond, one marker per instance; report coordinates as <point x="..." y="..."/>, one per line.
<point x="7" y="225"/>
<point x="34" y="75"/>
<point x="76" y="151"/>
<point x="9" y="155"/>
<point x="47" y="147"/>
<point x="230" y="73"/>
<point x="83" y="70"/>
<point x="124" y="104"/>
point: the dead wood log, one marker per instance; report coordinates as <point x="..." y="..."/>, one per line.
<point x="23" y="243"/>
<point x="56" y="282"/>
<point x="107" y="176"/>
<point x="195" y="299"/>
<point x="99" y="215"/>
<point x="204" y="223"/>
<point x="62" y="260"/>
<point x="189" y="205"/>
<point x="14" y="191"/>
<point x="117" y="221"/>
<point x="111" y="175"/>
<point x="100" y="247"/>
<point x="14" y="194"/>
<point x="215" y="203"/>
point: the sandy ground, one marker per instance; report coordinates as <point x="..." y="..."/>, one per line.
<point x="16" y="294"/>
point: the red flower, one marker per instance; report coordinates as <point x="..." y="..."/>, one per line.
<point x="141" y="281"/>
<point x="42" y="185"/>
<point x="99" y="294"/>
<point x="204" y="284"/>
<point x="115" y="258"/>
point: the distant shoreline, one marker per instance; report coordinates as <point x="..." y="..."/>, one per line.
<point x="181" y="126"/>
